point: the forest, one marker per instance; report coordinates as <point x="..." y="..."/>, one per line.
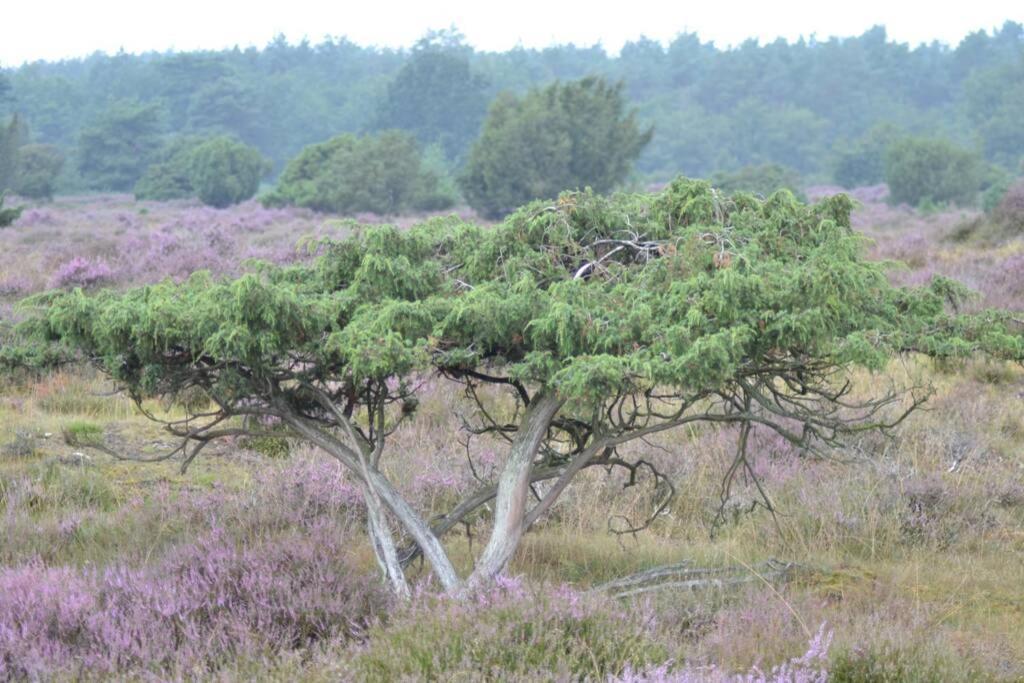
<point x="806" y="105"/>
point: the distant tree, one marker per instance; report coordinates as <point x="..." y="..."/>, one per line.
<point x="863" y="161"/>
<point x="171" y="176"/>
<point x="227" y="106"/>
<point x="437" y="96"/>
<point x="932" y="170"/>
<point x="381" y="173"/>
<point x="224" y="171"/>
<point x="37" y="171"/>
<point x="762" y="180"/>
<point x="116" y="149"/>
<point x="13" y="137"/>
<point x="8" y="215"/>
<point x="567" y="135"/>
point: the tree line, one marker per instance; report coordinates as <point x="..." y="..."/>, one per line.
<point x="824" y="109"/>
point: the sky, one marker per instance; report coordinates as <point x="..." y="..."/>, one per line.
<point x="48" y="30"/>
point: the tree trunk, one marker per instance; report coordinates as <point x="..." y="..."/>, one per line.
<point x="384" y="544"/>
<point x="420" y="531"/>
<point x="514" y="488"/>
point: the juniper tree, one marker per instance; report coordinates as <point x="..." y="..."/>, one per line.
<point x="604" y="319"/>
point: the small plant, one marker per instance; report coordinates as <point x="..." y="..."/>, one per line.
<point x="22" y="445"/>
<point x="82" y="433"/>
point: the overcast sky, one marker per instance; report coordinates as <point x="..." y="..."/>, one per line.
<point x="32" y="30"/>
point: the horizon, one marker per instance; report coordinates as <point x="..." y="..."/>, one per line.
<point x="222" y="28"/>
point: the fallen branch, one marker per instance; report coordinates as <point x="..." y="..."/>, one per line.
<point x="684" y="576"/>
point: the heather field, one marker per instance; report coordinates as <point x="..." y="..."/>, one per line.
<point x="894" y="559"/>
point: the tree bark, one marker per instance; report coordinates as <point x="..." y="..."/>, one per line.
<point x="415" y="525"/>
<point x="514" y="488"/>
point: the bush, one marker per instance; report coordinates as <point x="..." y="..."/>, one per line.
<point x="566" y="136"/>
<point x="762" y="180"/>
<point x="382" y="173"/>
<point x="37" y="171"/>
<point x="8" y="215"/>
<point x="170" y="178"/>
<point x="925" y="170"/>
<point x="862" y="162"/>
<point x="223" y="171"/>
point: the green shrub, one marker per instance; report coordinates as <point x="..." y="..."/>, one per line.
<point x="862" y="162"/>
<point x="170" y="178"/>
<point x="565" y="136"/>
<point x="382" y="173"/>
<point x="8" y="215"/>
<point x="922" y="170"/>
<point x="224" y="171"/>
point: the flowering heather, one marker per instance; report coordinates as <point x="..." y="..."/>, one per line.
<point x="206" y="604"/>
<point x="82" y="272"/>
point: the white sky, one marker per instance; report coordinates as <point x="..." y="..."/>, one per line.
<point x="41" y="29"/>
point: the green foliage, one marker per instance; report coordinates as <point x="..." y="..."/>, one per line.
<point x="567" y="135"/>
<point x="171" y="176"/>
<point x="862" y="162"/>
<point x="761" y="180"/>
<point x="436" y="96"/>
<point x="12" y="137"/>
<point x="8" y="215"/>
<point x="920" y="170"/>
<point x="116" y="149"/>
<point x="382" y="173"/>
<point x="37" y="171"/>
<point x="724" y="288"/>
<point x="224" y="171"/>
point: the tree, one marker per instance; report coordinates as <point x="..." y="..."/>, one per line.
<point x="863" y="161"/>
<point x="436" y="96"/>
<point x="13" y="137"/>
<point x="37" y="171"/>
<point x="568" y="135"/>
<point x="931" y="170"/>
<point x="171" y="176"/>
<point x="598" y="320"/>
<point x="381" y="173"/>
<point x="117" y="148"/>
<point x="225" y="172"/>
<point x="9" y="215"/>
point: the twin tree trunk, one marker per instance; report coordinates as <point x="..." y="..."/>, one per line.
<point x="378" y="493"/>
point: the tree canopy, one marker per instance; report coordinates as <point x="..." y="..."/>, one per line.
<point x="567" y="135"/>
<point x="603" y="319"/>
<point x="382" y="173"/>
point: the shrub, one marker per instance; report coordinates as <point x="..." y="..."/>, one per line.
<point x="37" y="171"/>
<point x="382" y="173"/>
<point x="8" y="215"/>
<point x="566" y="136"/>
<point x="224" y="171"/>
<point x="863" y="161"/>
<point x="170" y="178"/>
<point x="926" y="170"/>
<point x="82" y="272"/>
<point x="204" y="606"/>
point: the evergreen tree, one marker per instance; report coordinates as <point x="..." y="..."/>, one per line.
<point x="117" y="148"/>
<point x="568" y="135"/>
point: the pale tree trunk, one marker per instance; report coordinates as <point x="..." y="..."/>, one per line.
<point x="412" y="522"/>
<point x="514" y="489"/>
<point x="384" y="544"/>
